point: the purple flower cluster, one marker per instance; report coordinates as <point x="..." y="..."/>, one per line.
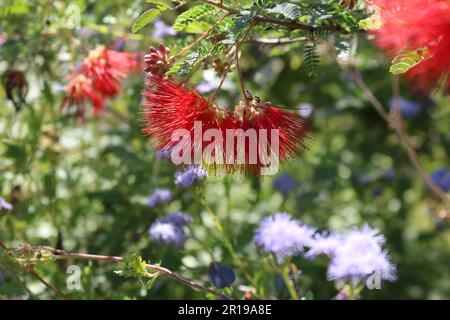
<point x="281" y="235"/>
<point x="5" y="204"/>
<point x="285" y="183"/>
<point x="169" y="229"/>
<point x="441" y="177"/>
<point x="189" y="176"/>
<point x="355" y="255"/>
<point x="159" y="196"/>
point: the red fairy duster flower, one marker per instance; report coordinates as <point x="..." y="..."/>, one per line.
<point x="416" y="24"/>
<point x="170" y="106"/>
<point x="99" y="77"/>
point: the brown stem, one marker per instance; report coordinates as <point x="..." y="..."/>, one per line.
<point x="239" y="74"/>
<point x="203" y="36"/>
<point x="285" y="24"/>
<point x="275" y="41"/>
<point x="397" y="125"/>
<point x="61" y="254"/>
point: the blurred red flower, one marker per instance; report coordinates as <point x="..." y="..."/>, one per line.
<point x="415" y="24"/>
<point x="99" y="77"/>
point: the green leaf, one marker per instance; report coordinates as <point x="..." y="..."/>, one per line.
<point x="145" y="19"/>
<point x="133" y="267"/>
<point x="407" y="59"/>
<point x="372" y="22"/>
<point x="286" y="9"/>
<point x="311" y="59"/>
<point x="164" y="3"/>
<point x="191" y="15"/>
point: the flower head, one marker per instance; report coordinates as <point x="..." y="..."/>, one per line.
<point x="361" y="255"/>
<point x="162" y="30"/>
<point x="417" y="24"/>
<point x="408" y="109"/>
<point x="159" y="196"/>
<point x="5" y="205"/>
<point x="98" y="78"/>
<point x="441" y="177"/>
<point x="169" y="229"/>
<point x="285" y="183"/>
<point x="178" y="218"/>
<point x="189" y="176"/>
<point x="324" y="244"/>
<point x="282" y="236"/>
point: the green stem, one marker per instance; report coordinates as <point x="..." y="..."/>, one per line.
<point x="289" y="283"/>
<point x="225" y="239"/>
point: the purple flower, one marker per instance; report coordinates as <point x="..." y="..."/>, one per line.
<point x="407" y="109"/>
<point x="167" y="233"/>
<point x="162" y="30"/>
<point x="163" y="153"/>
<point x="169" y="229"/>
<point x="305" y="109"/>
<point x="441" y="177"/>
<point x="361" y="255"/>
<point x="189" y="176"/>
<point x="281" y="235"/>
<point x="324" y="244"/>
<point x="159" y="196"/>
<point x="285" y="183"/>
<point x="178" y="218"/>
<point x="5" y="205"/>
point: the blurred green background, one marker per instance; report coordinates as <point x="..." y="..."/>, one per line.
<point x="85" y="187"/>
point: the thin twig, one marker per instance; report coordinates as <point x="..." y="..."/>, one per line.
<point x="61" y="254"/>
<point x="397" y="125"/>
<point x="203" y="36"/>
<point x="239" y="75"/>
<point x="285" y="24"/>
<point x="275" y="41"/>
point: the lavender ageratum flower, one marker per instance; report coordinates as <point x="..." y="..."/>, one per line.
<point x="441" y="177"/>
<point x="5" y="205"/>
<point x="190" y="175"/>
<point x="178" y="218"/>
<point x="162" y="30"/>
<point x="169" y="229"/>
<point x="305" y="109"/>
<point x="281" y="235"/>
<point x="324" y="244"/>
<point x="360" y="255"/>
<point x="285" y="183"/>
<point x="167" y="233"/>
<point x="407" y="109"/>
<point x="159" y="196"/>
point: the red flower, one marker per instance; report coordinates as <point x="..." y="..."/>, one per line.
<point x="415" y="24"/>
<point x="170" y="106"/>
<point x="99" y="77"/>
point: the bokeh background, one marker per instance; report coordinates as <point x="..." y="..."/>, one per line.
<point x="85" y="187"/>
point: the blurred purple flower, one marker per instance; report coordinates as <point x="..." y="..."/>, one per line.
<point x="190" y="175"/>
<point x="407" y="108"/>
<point x="441" y="177"/>
<point x="281" y="235"/>
<point x="324" y="244"/>
<point x="285" y="183"/>
<point x="167" y="233"/>
<point x="159" y="196"/>
<point x="163" y="154"/>
<point x="389" y="174"/>
<point x="178" y="218"/>
<point x="5" y="205"/>
<point x="360" y="255"/>
<point x="305" y="109"/>
<point x="162" y="30"/>
<point x="206" y="86"/>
